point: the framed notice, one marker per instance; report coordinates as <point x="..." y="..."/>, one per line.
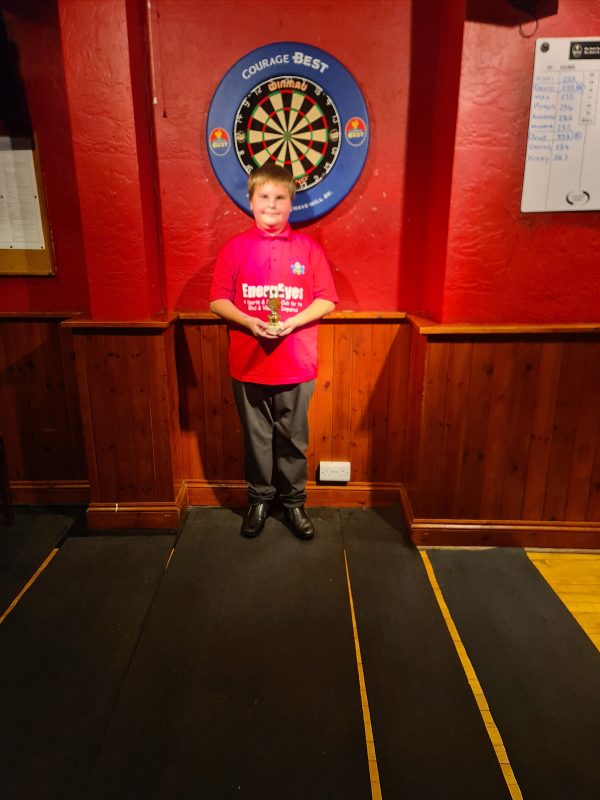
<point x="24" y="234"/>
<point x="562" y="166"/>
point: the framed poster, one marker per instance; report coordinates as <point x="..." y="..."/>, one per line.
<point x="24" y="232"/>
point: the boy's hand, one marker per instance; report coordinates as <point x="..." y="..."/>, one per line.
<point x="287" y="326"/>
<point x="314" y="311"/>
<point x="260" y="329"/>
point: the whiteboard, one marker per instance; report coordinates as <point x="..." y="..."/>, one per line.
<point x="562" y="163"/>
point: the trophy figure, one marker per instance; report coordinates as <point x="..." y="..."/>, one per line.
<point x="274" y="304"/>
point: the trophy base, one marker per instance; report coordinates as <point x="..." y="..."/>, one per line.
<point x="274" y="327"/>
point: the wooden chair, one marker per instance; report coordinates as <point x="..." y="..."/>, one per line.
<point x="4" y="489"/>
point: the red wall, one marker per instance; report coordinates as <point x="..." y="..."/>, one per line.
<point x="502" y="265"/>
<point x="432" y="225"/>
<point x="103" y="54"/>
<point x="194" y="45"/>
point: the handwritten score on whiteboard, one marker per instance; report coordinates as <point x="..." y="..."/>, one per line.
<point x="562" y="165"/>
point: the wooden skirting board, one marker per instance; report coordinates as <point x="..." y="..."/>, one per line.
<point x="498" y="533"/>
<point x="354" y="495"/>
<point x="164" y="516"/>
<point x="161" y="515"/>
<point x="232" y="494"/>
<point x="66" y="493"/>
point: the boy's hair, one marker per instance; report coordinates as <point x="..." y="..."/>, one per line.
<point x="271" y="172"/>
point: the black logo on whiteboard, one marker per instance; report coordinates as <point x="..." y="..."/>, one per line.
<point x="581" y="50"/>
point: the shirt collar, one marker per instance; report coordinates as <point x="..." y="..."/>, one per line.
<point x="283" y="234"/>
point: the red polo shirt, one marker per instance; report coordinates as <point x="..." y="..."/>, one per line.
<point x="248" y="269"/>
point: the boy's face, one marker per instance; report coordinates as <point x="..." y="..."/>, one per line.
<point x="271" y="206"/>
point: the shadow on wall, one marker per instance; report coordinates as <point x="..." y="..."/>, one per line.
<point x="436" y="49"/>
<point x="435" y="71"/>
<point x="14" y="112"/>
<point x="510" y="12"/>
<point x="40" y="402"/>
<point x="359" y="411"/>
<point x="210" y="427"/>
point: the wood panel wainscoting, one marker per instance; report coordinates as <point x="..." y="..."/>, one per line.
<point x="508" y="436"/>
<point x="484" y="434"/>
<point x="358" y="414"/>
<point x="40" y="415"/>
<point x="129" y="402"/>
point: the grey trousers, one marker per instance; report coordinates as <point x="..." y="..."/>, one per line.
<point x="275" y="423"/>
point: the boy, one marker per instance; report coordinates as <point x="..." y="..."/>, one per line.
<point x="272" y="284"/>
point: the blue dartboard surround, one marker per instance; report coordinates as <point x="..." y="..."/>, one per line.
<point x="341" y="151"/>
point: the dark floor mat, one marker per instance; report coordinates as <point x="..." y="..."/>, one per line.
<point x="538" y="669"/>
<point x="244" y="684"/>
<point x="64" y="652"/>
<point x="430" y="739"/>
<point x="24" y="546"/>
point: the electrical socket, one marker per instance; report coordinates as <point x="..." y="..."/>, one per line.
<point x="335" y="471"/>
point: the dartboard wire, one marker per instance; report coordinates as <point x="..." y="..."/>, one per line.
<point x="320" y="135"/>
<point x="295" y="106"/>
<point x="261" y="116"/>
<point x="281" y="147"/>
<point x="314" y="157"/>
<point x="279" y="109"/>
<point x="300" y="147"/>
<point x="254" y="137"/>
<point x="283" y="153"/>
<point x="276" y="101"/>
<point x="271" y="146"/>
<point x="312" y="111"/>
<point x="297" y="100"/>
<point x="298" y="170"/>
<point x="310" y="154"/>
<point x="301" y="166"/>
<point x="302" y="123"/>
<point x="286" y="124"/>
<point x="282" y="120"/>
<point x="308" y="119"/>
<point x="261" y="157"/>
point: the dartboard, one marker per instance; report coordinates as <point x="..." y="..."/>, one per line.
<point x="292" y="122"/>
<point x="298" y="107"/>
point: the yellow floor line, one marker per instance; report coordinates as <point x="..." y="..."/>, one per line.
<point x="372" y="758"/>
<point x="171" y="554"/>
<point x="493" y="732"/>
<point x="29" y="583"/>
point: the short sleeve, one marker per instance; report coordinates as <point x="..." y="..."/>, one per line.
<point x="323" y="285"/>
<point x="222" y="286"/>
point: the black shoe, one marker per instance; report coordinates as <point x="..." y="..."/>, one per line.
<point x="254" y="520"/>
<point x="299" y="522"/>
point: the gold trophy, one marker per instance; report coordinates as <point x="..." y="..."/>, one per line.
<point x="274" y="304"/>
